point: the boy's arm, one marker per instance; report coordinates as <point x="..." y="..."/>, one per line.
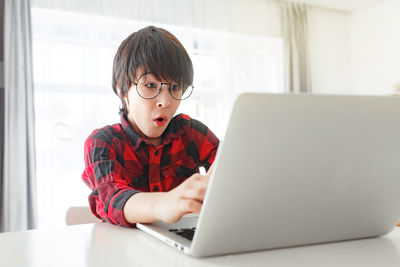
<point x="168" y="206"/>
<point x="105" y="177"/>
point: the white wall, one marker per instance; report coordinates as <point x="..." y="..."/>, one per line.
<point x="330" y="39"/>
<point x="330" y="45"/>
<point x="376" y="48"/>
<point x="355" y="52"/>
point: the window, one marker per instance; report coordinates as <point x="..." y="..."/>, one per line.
<point x="72" y="57"/>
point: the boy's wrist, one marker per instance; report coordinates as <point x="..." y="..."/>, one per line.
<point x="143" y="207"/>
<point x="159" y="205"/>
<point x="155" y="205"/>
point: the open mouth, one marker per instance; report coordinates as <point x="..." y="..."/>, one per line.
<point x="160" y="121"/>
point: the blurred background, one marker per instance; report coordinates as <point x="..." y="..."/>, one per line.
<point x="308" y="46"/>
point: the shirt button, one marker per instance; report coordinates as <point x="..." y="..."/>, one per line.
<point x="156" y="153"/>
<point x="155" y="188"/>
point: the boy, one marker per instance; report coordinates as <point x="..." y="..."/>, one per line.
<point x="145" y="168"/>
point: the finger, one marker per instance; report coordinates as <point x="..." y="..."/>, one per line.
<point x="194" y="187"/>
<point x="190" y="205"/>
<point x="196" y="178"/>
<point x="197" y="191"/>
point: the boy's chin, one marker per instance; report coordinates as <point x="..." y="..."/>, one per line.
<point x="154" y="135"/>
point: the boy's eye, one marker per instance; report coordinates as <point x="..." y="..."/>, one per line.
<point x="175" y="87"/>
<point x="151" y="85"/>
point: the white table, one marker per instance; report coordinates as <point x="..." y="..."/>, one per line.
<point x="103" y="244"/>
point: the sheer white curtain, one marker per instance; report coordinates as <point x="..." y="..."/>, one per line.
<point x="74" y="45"/>
<point x="297" y="59"/>
<point x="18" y="178"/>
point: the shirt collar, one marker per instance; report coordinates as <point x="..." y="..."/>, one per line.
<point x="174" y="130"/>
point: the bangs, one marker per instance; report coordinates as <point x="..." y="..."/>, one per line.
<point x="159" y="52"/>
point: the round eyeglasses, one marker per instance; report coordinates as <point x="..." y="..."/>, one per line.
<point x="148" y="87"/>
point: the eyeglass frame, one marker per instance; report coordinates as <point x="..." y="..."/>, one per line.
<point x="159" y="89"/>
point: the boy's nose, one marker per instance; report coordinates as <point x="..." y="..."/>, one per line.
<point x="164" y="98"/>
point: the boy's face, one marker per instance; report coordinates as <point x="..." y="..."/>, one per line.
<point x="150" y="117"/>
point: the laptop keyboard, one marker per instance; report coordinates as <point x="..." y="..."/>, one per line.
<point x="185" y="232"/>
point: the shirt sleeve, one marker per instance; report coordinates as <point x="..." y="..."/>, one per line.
<point x="105" y="177"/>
<point x="206" y="143"/>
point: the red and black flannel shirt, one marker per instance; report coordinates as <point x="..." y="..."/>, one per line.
<point x="120" y="163"/>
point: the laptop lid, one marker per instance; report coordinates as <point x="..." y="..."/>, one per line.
<point x="302" y="169"/>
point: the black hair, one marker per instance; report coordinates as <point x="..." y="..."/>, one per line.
<point x="158" y="52"/>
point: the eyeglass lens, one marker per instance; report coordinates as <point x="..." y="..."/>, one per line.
<point x="149" y="87"/>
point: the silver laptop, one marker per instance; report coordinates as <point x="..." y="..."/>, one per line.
<point x="297" y="170"/>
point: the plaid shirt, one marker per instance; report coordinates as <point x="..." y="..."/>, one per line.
<point x="120" y="163"/>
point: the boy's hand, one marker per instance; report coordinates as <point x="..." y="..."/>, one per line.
<point x="186" y="198"/>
